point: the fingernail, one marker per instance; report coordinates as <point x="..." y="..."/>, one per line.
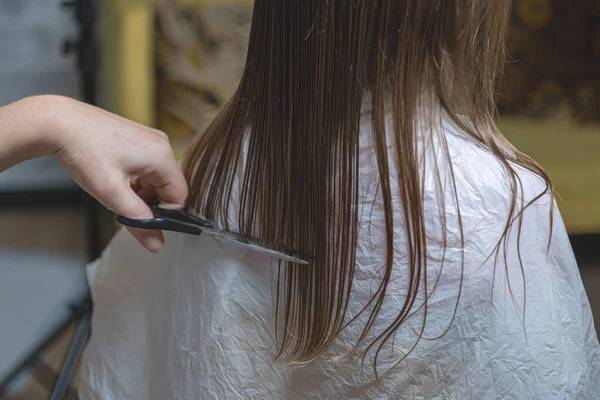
<point x="153" y="244"/>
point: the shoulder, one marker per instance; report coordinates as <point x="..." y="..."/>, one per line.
<point x="481" y="194"/>
<point x="482" y="177"/>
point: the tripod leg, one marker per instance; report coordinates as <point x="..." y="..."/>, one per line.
<point x="74" y="354"/>
<point x="45" y="375"/>
<point x="34" y="354"/>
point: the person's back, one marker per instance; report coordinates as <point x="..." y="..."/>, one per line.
<point x="196" y="321"/>
<point x="430" y="274"/>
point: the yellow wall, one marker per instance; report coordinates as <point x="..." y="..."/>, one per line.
<point x="127" y="82"/>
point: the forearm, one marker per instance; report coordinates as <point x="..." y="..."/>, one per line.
<point x="26" y="130"/>
<point x="119" y="162"/>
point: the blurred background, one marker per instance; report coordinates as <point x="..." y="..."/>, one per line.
<point x="173" y="64"/>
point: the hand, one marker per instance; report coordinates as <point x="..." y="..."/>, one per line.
<point x="120" y="163"/>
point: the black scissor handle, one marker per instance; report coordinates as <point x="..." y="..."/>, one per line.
<point x="162" y="224"/>
<point x="181" y="215"/>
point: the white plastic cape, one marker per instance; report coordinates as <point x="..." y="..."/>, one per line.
<point x="195" y="322"/>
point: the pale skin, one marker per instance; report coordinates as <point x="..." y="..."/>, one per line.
<point x="121" y="163"/>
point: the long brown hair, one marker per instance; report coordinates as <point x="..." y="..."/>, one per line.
<point x="295" y="120"/>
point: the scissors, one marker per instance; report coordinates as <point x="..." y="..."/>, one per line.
<point x="183" y="222"/>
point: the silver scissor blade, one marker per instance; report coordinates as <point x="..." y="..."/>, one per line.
<point x="236" y="238"/>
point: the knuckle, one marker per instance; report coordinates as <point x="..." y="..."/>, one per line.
<point x="166" y="153"/>
<point x="161" y="134"/>
<point x="159" y="149"/>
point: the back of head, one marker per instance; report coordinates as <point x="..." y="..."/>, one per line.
<point x="295" y="117"/>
